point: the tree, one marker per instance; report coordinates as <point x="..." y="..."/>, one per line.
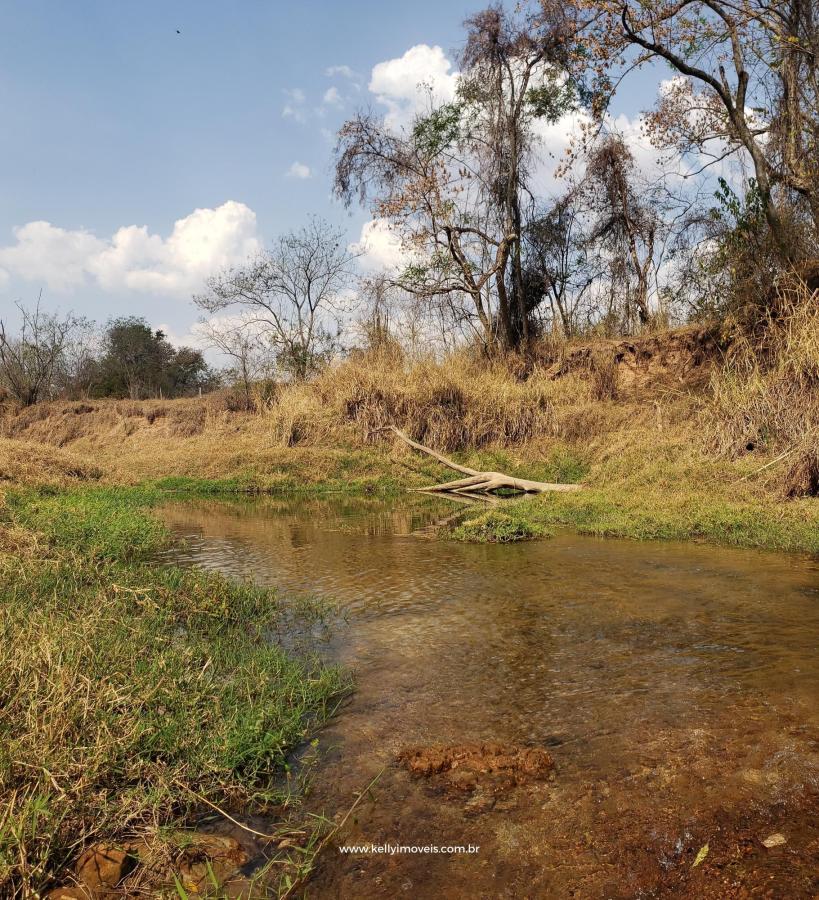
<point x="134" y="357"/>
<point x="138" y="362"/>
<point x="187" y="373"/>
<point x="30" y="361"/>
<point x="453" y="187"/>
<point x="430" y="199"/>
<point x="291" y="295"/>
<point x="558" y="269"/>
<point x="77" y="369"/>
<point x="747" y="82"/>
<point x="240" y="341"/>
<point x="512" y="75"/>
<point x="624" y="224"/>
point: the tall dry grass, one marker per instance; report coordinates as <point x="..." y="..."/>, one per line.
<point x="767" y="394"/>
<point x="459" y="403"/>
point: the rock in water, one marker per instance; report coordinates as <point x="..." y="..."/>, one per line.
<point x="775" y="840"/>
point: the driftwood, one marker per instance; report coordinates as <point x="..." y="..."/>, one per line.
<point x="476" y="484"/>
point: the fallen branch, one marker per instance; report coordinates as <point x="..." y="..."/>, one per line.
<point x="476" y="482"/>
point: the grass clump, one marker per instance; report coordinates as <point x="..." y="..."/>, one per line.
<point x="127" y="689"/>
<point x="497" y="528"/>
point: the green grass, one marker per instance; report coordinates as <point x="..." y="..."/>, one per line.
<point x="562" y="464"/>
<point x="127" y="688"/>
<point x="685" y="515"/>
<point x="345" y="478"/>
<point x="497" y="528"/>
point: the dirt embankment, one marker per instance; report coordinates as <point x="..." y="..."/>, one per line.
<point x="459" y="404"/>
<point x="683" y="357"/>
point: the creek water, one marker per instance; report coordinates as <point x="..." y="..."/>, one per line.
<point x="676" y="687"/>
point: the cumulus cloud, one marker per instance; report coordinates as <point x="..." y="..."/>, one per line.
<point x="299" y="170"/>
<point x="45" y="252"/>
<point x="406" y="84"/>
<point x="133" y="258"/>
<point x="380" y="247"/>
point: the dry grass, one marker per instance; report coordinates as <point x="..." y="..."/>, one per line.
<point x="322" y="430"/>
<point x="456" y="404"/>
<point x="767" y="395"/>
<point x="638" y="422"/>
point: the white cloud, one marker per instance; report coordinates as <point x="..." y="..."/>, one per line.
<point x="4" y="278"/>
<point x="133" y="258"/>
<point x="47" y="253"/>
<point x="404" y="84"/>
<point x="299" y="170"/>
<point x="294" y="107"/>
<point x="342" y="71"/>
<point x="192" y="339"/>
<point x="380" y="247"/>
<point x="332" y="97"/>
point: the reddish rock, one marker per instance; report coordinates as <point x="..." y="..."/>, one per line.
<point x="102" y="867"/>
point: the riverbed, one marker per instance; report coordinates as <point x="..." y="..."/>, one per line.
<point x="674" y="686"/>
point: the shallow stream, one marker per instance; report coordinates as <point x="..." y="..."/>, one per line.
<point x="676" y="687"/>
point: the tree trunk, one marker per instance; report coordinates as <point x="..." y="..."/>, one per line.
<point x="478" y="484"/>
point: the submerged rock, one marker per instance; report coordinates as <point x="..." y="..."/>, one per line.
<point x="774" y="840"/>
<point x="463" y="764"/>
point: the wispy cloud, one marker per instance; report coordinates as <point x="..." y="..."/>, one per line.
<point x="299" y="170"/>
<point x="340" y="72"/>
<point x="294" y="106"/>
<point x="332" y="97"/>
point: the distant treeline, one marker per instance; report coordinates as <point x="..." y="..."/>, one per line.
<point x="52" y="356"/>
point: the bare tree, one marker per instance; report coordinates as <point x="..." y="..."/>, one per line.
<point x="558" y="268"/>
<point x="512" y="74"/>
<point x="625" y="224"/>
<point x="291" y="296"/>
<point x="453" y="187"/>
<point x="240" y="341"/>
<point x="78" y="370"/>
<point x="30" y="360"/>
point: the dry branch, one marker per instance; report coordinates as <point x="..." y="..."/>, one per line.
<point x="475" y="482"/>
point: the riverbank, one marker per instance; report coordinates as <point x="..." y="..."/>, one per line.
<point x="119" y="742"/>
<point x="132" y="690"/>
<point x="643" y="443"/>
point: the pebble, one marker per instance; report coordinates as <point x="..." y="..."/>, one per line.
<point x="775" y="840"/>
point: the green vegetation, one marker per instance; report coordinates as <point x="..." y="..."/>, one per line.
<point x="690" y="515"/>
<point x="126" y="688"/>
<point x="497" y="528"/>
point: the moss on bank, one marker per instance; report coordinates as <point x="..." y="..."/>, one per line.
<point x="127" y="688"/>
<point x="498" y="528"/>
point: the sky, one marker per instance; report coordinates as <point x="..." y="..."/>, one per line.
<point x="145" y="145"/>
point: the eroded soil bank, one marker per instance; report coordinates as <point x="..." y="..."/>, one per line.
<point x="673" y="688"/>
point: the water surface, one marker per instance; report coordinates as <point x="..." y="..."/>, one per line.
<point x="675" y="685"/>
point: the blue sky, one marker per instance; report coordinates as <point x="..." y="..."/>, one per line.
<point x="111" y="119"/>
